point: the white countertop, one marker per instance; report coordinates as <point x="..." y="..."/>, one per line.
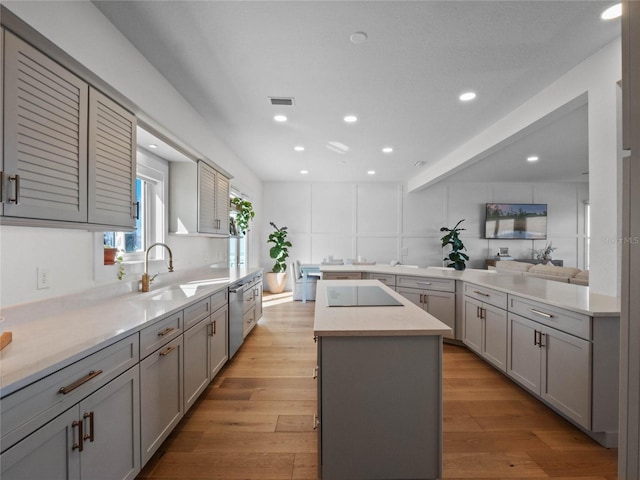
<point x="59" y="334"/>
<point x="576" y="298"/>
<point x="405" y="320"/>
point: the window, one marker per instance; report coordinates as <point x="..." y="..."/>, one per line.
<point x="237" y="244"/>
<point x="150" y="225"/>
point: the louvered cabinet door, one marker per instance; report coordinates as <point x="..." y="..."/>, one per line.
<point x="206" y="199"/>
<point x="112" y="163"/>
<point x="45" y="137"/>
<point x="222" y="204"/>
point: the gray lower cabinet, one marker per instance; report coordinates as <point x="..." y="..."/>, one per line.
<point x="380" y="415"/>
<point x="96" y="439"/>
<point x="341" y="275"/>
<point x="218" y="345"/>
<point x="441" y="305"/>
<point x="161" y="395"/>
<point x="552" y="364"/>
<point x="196" y="362"/>
<point x="485" y="331"/>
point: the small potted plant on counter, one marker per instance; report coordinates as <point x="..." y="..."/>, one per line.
<point x="277" y="277"/>
<point x="455" y="258"/>
<point x="110" y="253"/>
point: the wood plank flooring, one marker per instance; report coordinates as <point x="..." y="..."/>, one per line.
<point x="255" y="419"/>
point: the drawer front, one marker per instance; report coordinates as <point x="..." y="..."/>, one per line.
<point x="249" y="300"/>
<point x="341" y="275"/>
<point x="248" y="321"/>
<point x="219" y="300"/>
<point x="31" y="407"/>
<point x="388" y="280"/>
<point x="156" y="335"/>
<point x="486" y="295"/>
<point x="558" y="318"/>
<point x="426" y="283"/>
<point x="196" y="312"/>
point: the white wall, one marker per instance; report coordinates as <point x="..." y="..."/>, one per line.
<point x="384" y="222"/>
<point x="83" y="32"/>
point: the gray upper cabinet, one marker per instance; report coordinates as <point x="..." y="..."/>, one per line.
<point x="69" y="152"/>
<point x="206" y="198"/>
<point x="198" y="199"/>
<point x="45" y="137"/>
<point x="112" y="162"/>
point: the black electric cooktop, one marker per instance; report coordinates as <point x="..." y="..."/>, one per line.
<point x="360" y="296"/>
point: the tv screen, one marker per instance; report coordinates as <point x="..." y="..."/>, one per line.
<point x="527" y="221"/>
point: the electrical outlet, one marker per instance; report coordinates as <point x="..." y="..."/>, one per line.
<point x="43" y="278"/>
<point x="404" y="251"/>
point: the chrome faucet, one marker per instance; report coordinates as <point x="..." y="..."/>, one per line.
<point x="146" y="281"/>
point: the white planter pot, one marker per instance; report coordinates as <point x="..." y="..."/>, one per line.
<point x="276" y="281"/>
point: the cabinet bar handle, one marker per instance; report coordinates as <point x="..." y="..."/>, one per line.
<point x="1" y="187"/>
<point x="315" y="372"/>
<point x="535" y="338"/>
<point x="16" y="199"/>
<point x="88" y="436"/>
<point x="137" y="207"/>
<point x="543" y="336"/>
<point x="542" y="314"/>
<point x="316" y="422"/>
<point x="167" y="351"/>
<point x="214" y="327"/>
<point x="79" y="382"/>
<point x="342" y="278"/>
<point x="483" y="313"/>
<point x="423" y="283"/>
<point x="481" y="293"/>
<point x="421" y="299"/>
<point x="166" y="331"/>
<point x="79" y="445"/>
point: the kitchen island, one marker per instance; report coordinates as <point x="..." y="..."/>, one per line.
<point x="379" y="383"/>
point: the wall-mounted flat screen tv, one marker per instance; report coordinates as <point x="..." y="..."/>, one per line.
<point x="525" y="221"/>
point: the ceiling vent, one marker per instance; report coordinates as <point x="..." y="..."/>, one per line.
<point x="286" y="101"/>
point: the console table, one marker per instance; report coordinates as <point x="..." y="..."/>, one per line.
<point x="491" y="262"/>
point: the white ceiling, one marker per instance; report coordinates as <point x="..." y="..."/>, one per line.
<point x="228" y="57"/>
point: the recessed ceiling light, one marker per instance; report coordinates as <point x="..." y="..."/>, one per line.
<point x="612" y="12"/>
<point x="358" y="37"/>
<point x="153" y="145"/>
<point x="280" y="118"/>
<point x="304" y="172"/>
<point x="533" y="158"/>
<point x="467" y="96"/>
<point x="418" y="163"/>
<point x="371" y="172"/>
<point x="299" y="148"/>
<point x="387" y="149"/>
<point x="350" y="119"/>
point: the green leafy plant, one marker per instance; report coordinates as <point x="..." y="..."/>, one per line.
<point x="456" y="258"/>
<point x="245" y="214"/>
<point x="280" y="250"/>
<point x="121" y="272"/>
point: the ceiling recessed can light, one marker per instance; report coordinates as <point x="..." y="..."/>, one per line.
<point x="350" y="119"/>
<point x="612" y="12"/>
<point x="387" y="150"/>
<point x="280" y="118"/>
<point x="304" y="172"/>
<point x="371" y="172"/>
<point x="467" y="96"/>
<point x="533" y="158"/>
<point x="299" y="148"/>
<point x="153" y="145"/>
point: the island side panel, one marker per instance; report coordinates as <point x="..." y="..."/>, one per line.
<point x="381" y="407"/>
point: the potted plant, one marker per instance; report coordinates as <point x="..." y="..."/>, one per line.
<point x="110" y="255"/>
<point x="456" y="258"/>
<point x="244" y="215"/>
<point x="277" y="277"/>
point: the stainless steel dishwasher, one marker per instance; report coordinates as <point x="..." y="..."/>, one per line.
<point x="236" y="302"/>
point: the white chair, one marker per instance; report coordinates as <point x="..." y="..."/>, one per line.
<point x="298" y="284"/>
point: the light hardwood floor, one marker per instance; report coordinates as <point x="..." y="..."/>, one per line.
<point x="255" y="419"/>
